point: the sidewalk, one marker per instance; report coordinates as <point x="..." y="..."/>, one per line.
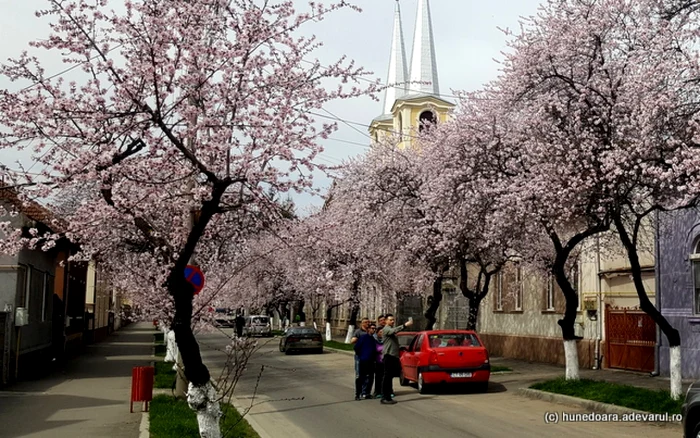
<point x="526" y="373"/>
<point x="89" y="397"/>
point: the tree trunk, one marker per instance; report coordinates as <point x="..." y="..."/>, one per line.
<point x="673" y="336"/>
<point x="475" y="296"/>
<point x="434" y="300"/>
<point x="567" y="323"/>
<point x="201" y="394"/>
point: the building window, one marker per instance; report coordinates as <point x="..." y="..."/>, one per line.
<point x="48" y="297"/>
<point x="499" y="291"/>
<point x="519" y="288"/>
<point x="575" y="283"/>
<point x="23" y="277"/>
<point x="695" y="257"/>
<point x="550" y="293"/>
<point x="400" y="133"/>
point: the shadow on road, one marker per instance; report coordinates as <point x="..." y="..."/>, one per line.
<point x="466" y="389"/>
<point x="322" y="405"/>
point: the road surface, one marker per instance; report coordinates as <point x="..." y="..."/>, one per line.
<point x="310" y="395"/>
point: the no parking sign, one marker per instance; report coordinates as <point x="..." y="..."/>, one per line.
<point x="195" y="277"/>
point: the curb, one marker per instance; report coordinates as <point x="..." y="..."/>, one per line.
<point x="251" y="421"/>
<point x="144" y="427"/>
<point x="593" y="406"/>
<point x="335" y="350"/>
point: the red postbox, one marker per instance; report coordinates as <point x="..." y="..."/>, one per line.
<point x="141" y="385"/>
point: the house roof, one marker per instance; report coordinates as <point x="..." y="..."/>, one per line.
<point x="32" y="209"/>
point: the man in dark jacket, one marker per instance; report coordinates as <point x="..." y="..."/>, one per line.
<point x="392" y="365"/>
<point x="240" y="322"/>
<point x="366" y="350"/>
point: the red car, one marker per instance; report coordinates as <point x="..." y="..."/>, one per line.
<point x="445" y="356"/>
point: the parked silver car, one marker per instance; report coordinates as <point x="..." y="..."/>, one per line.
<point x="301" y="338"/>
<point x="257" y="325"/>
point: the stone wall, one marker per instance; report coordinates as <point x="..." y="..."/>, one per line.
<point x="537" y="349"/>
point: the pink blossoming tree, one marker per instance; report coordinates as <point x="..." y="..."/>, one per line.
<point x="183" y="115"/>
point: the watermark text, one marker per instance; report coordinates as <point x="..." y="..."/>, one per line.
<point x="595" y="417"/>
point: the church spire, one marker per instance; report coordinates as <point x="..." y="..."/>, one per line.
<point x="423" y="65"/>
<point x="398" y="71"/>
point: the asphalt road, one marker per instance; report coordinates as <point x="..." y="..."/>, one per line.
<point x="309" y="395"/>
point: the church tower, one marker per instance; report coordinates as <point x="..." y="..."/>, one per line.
<point x="409" y="108"/>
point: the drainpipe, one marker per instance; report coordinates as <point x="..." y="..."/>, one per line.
<point x="600" y="310"/>
<point x="657" y="292"/>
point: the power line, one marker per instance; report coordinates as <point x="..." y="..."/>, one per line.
<point x="71" y="68"/>
<point x="349" y="142"/>
<point x="451" y="96"/>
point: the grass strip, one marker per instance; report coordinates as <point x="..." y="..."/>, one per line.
<point x="160" y="350"/>
<point x="173" y="418"/>
<point x="338" y="345"/>
<point x="643" y="399"/>
<point x="164" y="375"/>
<point x="498" y="369"/>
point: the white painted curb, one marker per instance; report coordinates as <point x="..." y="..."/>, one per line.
<point x="143" y="428"/>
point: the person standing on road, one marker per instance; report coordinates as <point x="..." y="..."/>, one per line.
<point x="366" y="349"/>
<point x="392" y="365"/>
<point x="240" y="322"/>
<point x="379" y="365"/>
<point x="364" y="324"/>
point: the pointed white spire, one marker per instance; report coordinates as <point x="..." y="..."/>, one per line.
<point x="423" y="65"/>
<point x="398" y="69"/>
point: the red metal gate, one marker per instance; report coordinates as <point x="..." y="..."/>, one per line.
<point x="631" y="339"/>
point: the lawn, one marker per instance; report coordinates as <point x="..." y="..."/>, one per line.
<point x="165" y="376"/>
<point x="160" y="350"/>
<point x="172" y="418"/>
<point x="499" y="369"/>
<point x="338" y="345"/>
<point x="642" y="399"/>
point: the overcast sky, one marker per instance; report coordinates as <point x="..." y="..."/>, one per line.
<point x="467" y="39"/>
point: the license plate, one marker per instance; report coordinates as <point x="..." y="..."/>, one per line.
<point x="460" y="375"/>
<point x="306" y="340"/>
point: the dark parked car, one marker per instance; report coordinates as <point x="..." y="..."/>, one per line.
<point x="225" y="317"/>
<point x="691" y="412"/>
<point x="301" y="338"/>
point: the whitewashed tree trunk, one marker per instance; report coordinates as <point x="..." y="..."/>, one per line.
<point x="351" y="330"/>
<point x="302" y="324"/>
<point x="571" y="355"/>
<point x="171" y="347"/>
<point x="676" y="377"/>
<point x="315" y="326"/>
<point x="328" y="332"/>
<point x="203" y="400"/>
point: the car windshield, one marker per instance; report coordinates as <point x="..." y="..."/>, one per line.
<point x="302" y="331"/>
<point x="453" y="340"/>
<point x="260" y="320"/>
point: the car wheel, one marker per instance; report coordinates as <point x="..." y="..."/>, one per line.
<point x="696" y="431"/>
<point x="281" y="348"/>
<point x="403" y="381"/>
<point x="319" y="351"/>
<point x="422" y="387"/>
<point x="287" y="351"/>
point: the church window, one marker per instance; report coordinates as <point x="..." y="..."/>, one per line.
<point x="426" y="119"/>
